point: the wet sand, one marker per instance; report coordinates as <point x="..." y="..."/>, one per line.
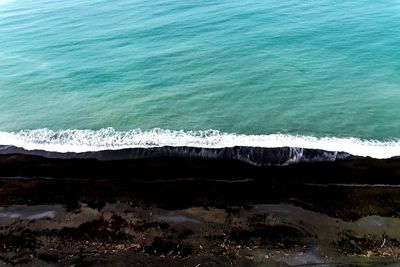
<point x="191" y="222"/>
<point x="177" y="211"/>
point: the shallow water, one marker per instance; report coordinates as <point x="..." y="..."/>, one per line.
<point x="314" y="68"/>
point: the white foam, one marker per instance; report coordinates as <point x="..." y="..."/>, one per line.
<point x="4" y="2"/>
<point x="110" y="139"/>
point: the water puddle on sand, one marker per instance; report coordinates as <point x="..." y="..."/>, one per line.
<point x="28" y="213"/>
<point x="179" y="219"/>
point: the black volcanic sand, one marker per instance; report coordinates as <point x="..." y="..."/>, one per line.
<point x="347" y="171"/>
<point x="196" y="212"/>
<point x="186" y="223"/>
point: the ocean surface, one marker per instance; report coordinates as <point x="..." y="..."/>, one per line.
<point x="94" y="74"/>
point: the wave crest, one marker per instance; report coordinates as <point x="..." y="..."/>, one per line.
<point x="74" y="140"/>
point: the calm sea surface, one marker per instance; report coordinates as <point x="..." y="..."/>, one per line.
<point x="319" y="68"/>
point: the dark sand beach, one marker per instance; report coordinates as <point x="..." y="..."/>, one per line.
<point x="185" y="211"/>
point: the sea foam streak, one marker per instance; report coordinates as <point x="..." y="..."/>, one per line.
<point x="110" y="139"/>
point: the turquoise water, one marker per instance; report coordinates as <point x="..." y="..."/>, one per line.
<point x="313" y="68"/>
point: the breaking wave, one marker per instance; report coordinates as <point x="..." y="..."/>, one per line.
<point x="109" y="139"/>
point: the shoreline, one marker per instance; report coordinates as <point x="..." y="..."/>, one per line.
<point x="109" y="139"/>
<point x="171" y="163"/>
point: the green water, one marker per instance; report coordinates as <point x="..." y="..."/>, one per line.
<point x="313" y="68"/>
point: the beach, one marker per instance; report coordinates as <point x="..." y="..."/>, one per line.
<point x="179" y="211"/>
<point x="199" y="133"/>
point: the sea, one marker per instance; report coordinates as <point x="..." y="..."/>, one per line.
<point x="89" y="75"/>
